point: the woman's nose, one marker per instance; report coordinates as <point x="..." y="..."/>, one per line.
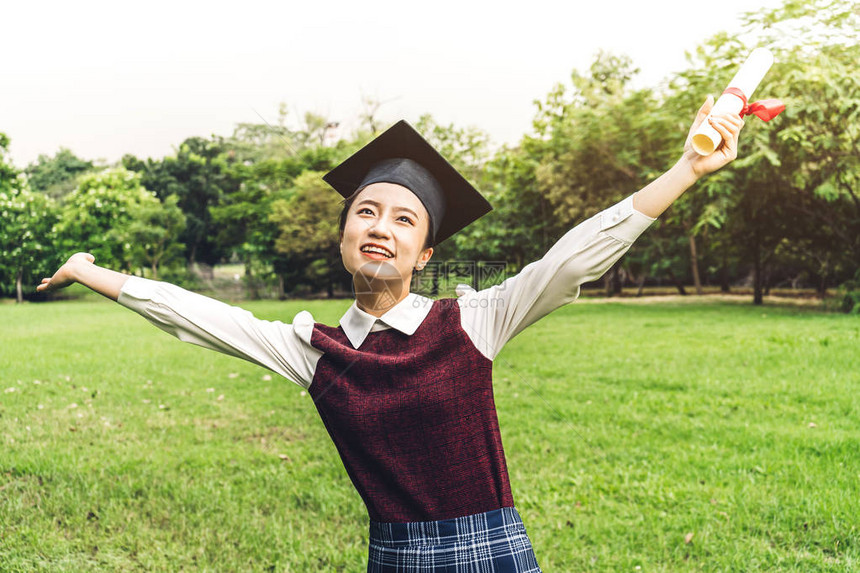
<point x="379" y="228"/>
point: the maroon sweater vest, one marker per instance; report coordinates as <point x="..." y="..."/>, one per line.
<point x="413" y="419"/>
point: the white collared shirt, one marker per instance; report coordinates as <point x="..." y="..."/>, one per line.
<point x="490" y="317"/>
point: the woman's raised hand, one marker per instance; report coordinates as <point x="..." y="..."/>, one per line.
<point x="66" y="275"/>
<point x="728" y="126"/>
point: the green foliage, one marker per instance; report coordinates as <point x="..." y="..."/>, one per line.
<point x="100" y="211"/>
<point x="467" y="149"/>
<point x="200" y="174"/>
<point x="307" y="227"/>
<point x="267" y="160"/>
<point x="8" y="173"/>
<point x="804" y="165"/>
<point x="308" y="220"/>
<point x="786" y="211"/>
<point x="26" y="237"/>
<point x="601" y="141"/>
<point x="57" y="176"/>
<point x="254" y="142"/>
<point x="153" y="232"/>
<point x="847" y="298"/>
<point x="520" y="228"/>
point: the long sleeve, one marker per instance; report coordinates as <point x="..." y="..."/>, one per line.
<point x="282" y="348"/>
<point x="493" y="316"/>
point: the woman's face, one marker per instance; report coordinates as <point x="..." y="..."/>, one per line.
<point x="389" y="217"/>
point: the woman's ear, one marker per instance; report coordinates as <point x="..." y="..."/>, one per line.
<point x="423" y="258"/>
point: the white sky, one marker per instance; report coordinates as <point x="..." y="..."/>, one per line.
<point x="108" y="78"/>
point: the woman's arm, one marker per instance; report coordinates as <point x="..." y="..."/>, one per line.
<point x="282" y="348"/>
<point x="80" y="269"/>
<point x="493" y="316"/>
<point x="656" y="197"/>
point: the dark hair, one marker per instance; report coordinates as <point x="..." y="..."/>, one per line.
<point x="347" y="203"/>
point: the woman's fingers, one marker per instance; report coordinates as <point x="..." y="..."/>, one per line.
<point x="702" y="114"/>
<point x="732" y="121"/>
<point x="728" y="127"/>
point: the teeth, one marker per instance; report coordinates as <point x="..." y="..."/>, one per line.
<point x="370" y="249"/>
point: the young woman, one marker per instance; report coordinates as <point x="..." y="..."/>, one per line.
<point x="403" y="384"/>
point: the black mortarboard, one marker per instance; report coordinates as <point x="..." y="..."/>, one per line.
<point x="400" y="155"/>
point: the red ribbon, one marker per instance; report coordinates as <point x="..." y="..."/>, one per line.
<point x="765" y="109"/>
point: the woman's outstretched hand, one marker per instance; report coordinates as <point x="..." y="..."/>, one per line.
<point x="66" y="274"/>
<point x="728" y="126"/>
<point x="655" y="198"/>
<point x="80" y="269"/>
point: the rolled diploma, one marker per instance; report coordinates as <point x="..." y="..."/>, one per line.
<point x="706" y="139"/>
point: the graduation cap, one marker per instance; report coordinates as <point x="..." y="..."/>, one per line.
<point x="400" y="155"/>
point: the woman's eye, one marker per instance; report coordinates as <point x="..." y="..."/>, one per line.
<point x="405" y="218"/>
<point x="363" y="209"/>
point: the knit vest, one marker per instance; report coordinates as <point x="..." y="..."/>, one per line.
<point x="413" y="418"/>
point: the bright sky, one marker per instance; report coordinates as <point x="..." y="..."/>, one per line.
<point x="109" y="78"/>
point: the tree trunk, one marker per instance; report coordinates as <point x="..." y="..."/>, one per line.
<point x="694" y="263"/>
<point x="678" y="284"/>
<point x="617" y="283"/>
<point x="154" y="271"/>
<point x="19" y="286"/>
<point x="612" y="282"/>
<point x="640" y="286"/>
<point x="758" y="297"/>
<point x="252" y="285"/>
<point x="281" y="295"/>
<point x="192" y="257"/>
<point x="724" y="273"/>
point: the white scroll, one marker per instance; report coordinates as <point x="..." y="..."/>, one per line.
<point x="706" y="139"/>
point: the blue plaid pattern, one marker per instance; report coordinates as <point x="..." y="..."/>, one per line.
<point x="490" y="542"/>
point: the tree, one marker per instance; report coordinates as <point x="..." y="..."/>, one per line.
<point x="467" y="149"/>
<point x="600" y="142"/>
<point x="199" y="175"/>
<point x="100" y="212"/>
<point x="26" y="236"/>
<point x="266" y="163"/>
<point x="789" y="202"/>
<point x="243" y="224"/>
<point x="57" y="176"/>
<point x="8" y="173"/>
<point x="307" y="223"/>
<point x="153" y="233"/>
<point x="819" y="164"/>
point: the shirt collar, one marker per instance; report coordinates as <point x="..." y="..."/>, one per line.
<point x="405" y="316"/>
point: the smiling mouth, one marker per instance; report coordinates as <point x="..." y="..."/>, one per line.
<point x="375" y="252"/>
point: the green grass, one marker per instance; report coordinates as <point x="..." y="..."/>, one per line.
<point x="626" y="427"/>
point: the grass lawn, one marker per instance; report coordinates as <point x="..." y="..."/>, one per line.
<point x="659" y="437"/>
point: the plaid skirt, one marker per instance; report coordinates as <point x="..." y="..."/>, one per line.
<point x="490" y="542"/>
